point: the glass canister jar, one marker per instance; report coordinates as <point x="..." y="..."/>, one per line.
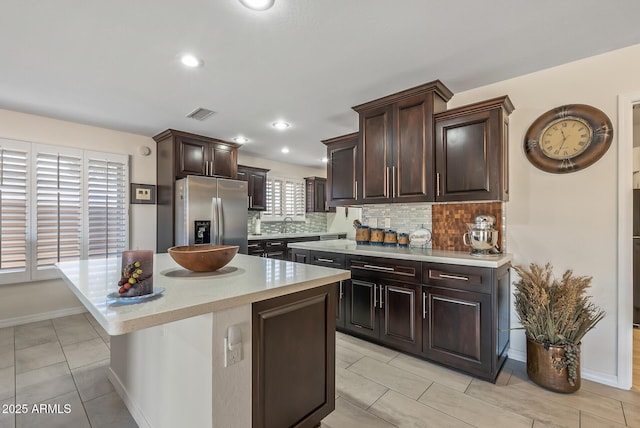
<point x="390" y="238"/>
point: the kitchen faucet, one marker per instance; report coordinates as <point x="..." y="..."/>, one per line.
<point x="284" y="224"/>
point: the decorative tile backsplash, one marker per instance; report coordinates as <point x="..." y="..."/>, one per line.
<point x="402" y="217"/>
<point x="450" y="223"/>
<point x="315" y="222"/>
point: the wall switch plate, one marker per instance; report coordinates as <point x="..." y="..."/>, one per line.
<point x="387" y="222"/>
<point x="233" y="346"/>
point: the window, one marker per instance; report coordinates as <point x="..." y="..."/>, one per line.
<point x="285" y="198"/>
<point x="59" y="204"/>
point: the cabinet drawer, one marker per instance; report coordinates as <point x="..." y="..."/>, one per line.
<point x="272" y="245"/>
<point x="255" y="248"/>
<point x="322" y="258"/>
<point x="468" y="278"/>
<point x="395" y="269"/>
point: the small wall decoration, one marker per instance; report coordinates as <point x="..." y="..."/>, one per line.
<point x="143" y="193"/>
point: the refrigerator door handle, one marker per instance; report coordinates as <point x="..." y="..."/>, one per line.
<point x="216" y="221"/>
<point x="220" y="221"/>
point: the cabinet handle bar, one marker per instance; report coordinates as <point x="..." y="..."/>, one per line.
<point x="325" y="260"/>
<point x="458" y="277"/>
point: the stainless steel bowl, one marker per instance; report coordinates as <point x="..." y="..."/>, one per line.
<point x="481" y="239"/>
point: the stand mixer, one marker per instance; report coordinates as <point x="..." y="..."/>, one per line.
<point x="482" y="237"/>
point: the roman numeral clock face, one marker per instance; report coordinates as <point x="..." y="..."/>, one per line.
<point x="568" y="138"/>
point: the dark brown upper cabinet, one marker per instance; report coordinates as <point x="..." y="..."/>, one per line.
<point x="316" y="194"/>
<point x="395" y="158"/>
<point x="342" y="170"/>
<point x="471" y="146"/>
<point x="180" y="154"/>
<point x="256" y="179"/>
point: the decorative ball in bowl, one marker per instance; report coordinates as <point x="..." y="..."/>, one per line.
<point x="203" y="258"/>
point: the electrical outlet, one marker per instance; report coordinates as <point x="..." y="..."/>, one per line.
<point x="387" y="222"/>
<point x="232" y="354"/>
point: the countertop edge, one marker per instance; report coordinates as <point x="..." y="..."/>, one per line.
<point x="456" y="258"/>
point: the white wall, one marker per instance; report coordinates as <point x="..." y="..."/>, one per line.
<point x="281" y="169"/>
<point x="569" y="219"/>
<point x="40" y="300"/>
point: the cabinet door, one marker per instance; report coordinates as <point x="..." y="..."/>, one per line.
<point x="192" y="157"/>
<point x="342" y="170"/>
<point x="362" y="317"/>
<point x="413" y="166"/>
<point x="376" y="155"/>
<point x="258" y="190"/>
<point x="222" y="161"/>
<point x="320" y="195"/>
<point x="457" y="329"/>
<point x="341" y="303"/>
<point x="401" y="322"/>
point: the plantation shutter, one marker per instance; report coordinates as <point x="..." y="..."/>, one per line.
<point x="294" y="199"/>
<point x="285" y="197"/>
<point x="14" y="214"/>
<point x="58" y="205"/>
<point x="107" y="204"/>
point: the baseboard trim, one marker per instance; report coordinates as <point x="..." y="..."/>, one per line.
<point x="10" y="322"/>
<point x="135" y="411"/>
<point x="605" y="379"/>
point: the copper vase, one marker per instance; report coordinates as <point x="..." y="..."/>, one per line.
<point x="541" y="371"/>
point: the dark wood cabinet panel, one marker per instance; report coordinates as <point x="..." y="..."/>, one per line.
<point x="316" y="194"/>
<point x="293" y="361"/>
<point x="401" y="323"/>
<point x="471" y="151"/>
<point x="457" y="329"/>
<point x="342" y="170"/>
<point x="363" y="310"/>
<point x="256" y="179"/>
<point x="180" y="154"/>
<point x="396" y="159"/>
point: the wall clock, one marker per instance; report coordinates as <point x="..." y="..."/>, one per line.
<point x="568" y="138"/>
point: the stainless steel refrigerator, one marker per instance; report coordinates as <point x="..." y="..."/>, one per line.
<point x="211" y="211"/>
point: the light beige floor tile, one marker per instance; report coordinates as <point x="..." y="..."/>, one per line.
<point x="38" y="356"/>
<point x="471" y="410"/>
<point x="91" y="319"/>
<point x="7" y="383"/>
<point x="347" y="355"/>
<point x="628" y="396"/>
<point x="92" y="380"/>
<point x="87" y="352"/>
<point x="366" y="348"/>
<point x="595" y="404"/>
<point x="342" y="364"/>
<point x="526" y="402"/>
<point x="357" y="389"/>
<point x="427" y="370"/>
<point x="6" y="335"/>
<point x="405" y="412"/>
<point x="7" y="355"/>
<point x="518" y="371"/>
<point x="632" y="414"/>
<point x="109" y="411"/>
<point x="588" y="420"/>
<point x="44" y="383"/>
<point x="33" y="334"/>
<point x="70" y="321"/>
<point x="8" y="417"/>
<point x="67" y="412"/>
<point x="348" y="415"/>
<point x="392" y="377"/>
<point x="76" y="333"/>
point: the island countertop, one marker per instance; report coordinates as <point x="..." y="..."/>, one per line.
<point x="245" y="280"/>
<point x="345" y="246"/>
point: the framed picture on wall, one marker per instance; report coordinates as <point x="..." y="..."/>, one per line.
<point x="143" y="193"/>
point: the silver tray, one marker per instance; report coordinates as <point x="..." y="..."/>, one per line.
<point x="135" y="299"/>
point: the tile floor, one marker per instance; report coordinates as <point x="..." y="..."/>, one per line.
<point x="64" y="361"/>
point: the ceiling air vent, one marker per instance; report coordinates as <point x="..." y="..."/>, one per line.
<point x="200" y="113"/>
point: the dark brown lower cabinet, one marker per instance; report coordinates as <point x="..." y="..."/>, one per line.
<point x="456" y="326"/>
<point x="293" y="380"/>
<point x="387" y="311"/>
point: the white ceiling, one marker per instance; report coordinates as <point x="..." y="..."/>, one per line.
<point x="115" y="63"/>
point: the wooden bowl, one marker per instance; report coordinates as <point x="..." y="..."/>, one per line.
<point x="203" y="258"/>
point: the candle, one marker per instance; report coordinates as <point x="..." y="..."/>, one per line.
<point x="137" y="273"/>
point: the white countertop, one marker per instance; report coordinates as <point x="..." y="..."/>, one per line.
<point x="346" y="246"/>
<point x="246" y="279"/>
<point x="291" y="235"/>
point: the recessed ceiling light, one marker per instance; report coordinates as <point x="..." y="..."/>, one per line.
<point x="258" y="4"/>
<point x="285" y="150"/>
<point x="280" y="124"/>
<point x="241" y="140"/>
<point x="191" y="61"/>
<point x="325" y="160"/>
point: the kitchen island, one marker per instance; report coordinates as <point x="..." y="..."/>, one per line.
<point x="168" y="352"/>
